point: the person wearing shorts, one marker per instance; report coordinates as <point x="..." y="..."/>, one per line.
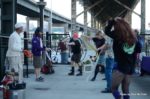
<point x="37" y="48"/>
<point x="76" y="50"/>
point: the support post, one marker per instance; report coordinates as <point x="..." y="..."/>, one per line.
<point x="8" y="20"/>
<point x="73" y="14"/>
<point x="143" y="16"/>
<point x="41" y="5"/>
<point x="85" y="19"/>
<point x="92" y="21"/>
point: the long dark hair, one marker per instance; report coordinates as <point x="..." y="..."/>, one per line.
<point x="124" y="32"/>
<point x="37" y="32"/>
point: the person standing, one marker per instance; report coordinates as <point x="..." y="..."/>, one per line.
<point x="125" y="48"/>
<point x="75" y="58"/>
<point x="109" y="64"/>
<point x="37" y="49"/>
<point x="15" y="49"/>
<point x="99" y="41"/>
<point x="64" y="54"/>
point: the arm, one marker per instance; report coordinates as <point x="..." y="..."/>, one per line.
<point x="65" y="40"/>
<point x="70" y="43"/>
<point x="108" y="28"/>
<point x="103" y="47"/>
<point x="87" y="37"/>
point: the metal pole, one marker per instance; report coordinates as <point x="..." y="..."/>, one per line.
<point x="51" y="18"/>
<point x="85" y="19"/>
<point x="73" y="13"/>
<point x="26" y="59"/>
<point x="41" y="5"/>
<point x="142" y="16"/>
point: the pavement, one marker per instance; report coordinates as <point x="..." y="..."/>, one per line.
<point x="62" y="86"/>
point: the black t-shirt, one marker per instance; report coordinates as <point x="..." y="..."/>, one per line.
<point x="76" y="49"/>
<point x="99" y="42"/>
<point x="125" y="62"/>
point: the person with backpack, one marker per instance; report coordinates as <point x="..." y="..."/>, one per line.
<point x="125" y="48"/>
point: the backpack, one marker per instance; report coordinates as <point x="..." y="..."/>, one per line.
<point x="47" y="68"/>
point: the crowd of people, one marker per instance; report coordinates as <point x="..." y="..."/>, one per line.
<point x="118" y="48"/>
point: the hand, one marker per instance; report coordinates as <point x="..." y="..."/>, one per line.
<point x="48" y="49"/>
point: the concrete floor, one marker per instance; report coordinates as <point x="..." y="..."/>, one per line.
<point x="62" y="86"/>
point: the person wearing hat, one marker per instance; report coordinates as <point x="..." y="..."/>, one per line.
<point x="15" y="49"/>
<point x="75" y="44"/>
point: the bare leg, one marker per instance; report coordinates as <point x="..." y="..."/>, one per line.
<point x="37" y="72"/>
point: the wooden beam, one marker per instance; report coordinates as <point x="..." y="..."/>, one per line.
<point x="97" y="14"/>
<point x="96" y="3"/>
<point x="125" y="6"/>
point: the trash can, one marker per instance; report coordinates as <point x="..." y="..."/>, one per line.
<point x="14" y="91"/>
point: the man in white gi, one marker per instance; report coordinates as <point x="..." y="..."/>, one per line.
<point x="15" y="49"/>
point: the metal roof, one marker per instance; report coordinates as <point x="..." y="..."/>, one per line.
<point x="109" y="8"/>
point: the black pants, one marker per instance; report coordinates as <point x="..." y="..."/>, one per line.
<point x="97" y="70"/>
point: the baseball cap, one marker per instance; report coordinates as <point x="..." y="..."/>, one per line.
<point x="75" y="35"/>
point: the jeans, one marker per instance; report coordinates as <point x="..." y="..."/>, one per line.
<point x="108" y="71"/>
<point x="64" y="57"/>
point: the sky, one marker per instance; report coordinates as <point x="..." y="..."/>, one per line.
<point x="136" y="19"/>
<point x="63" y="7"/>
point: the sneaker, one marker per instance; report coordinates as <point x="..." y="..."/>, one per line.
<point x="40" y="79"/>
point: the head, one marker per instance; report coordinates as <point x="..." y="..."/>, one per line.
<point x="99" y="34"/>
<point x="124" y="32"/>
<point x="75" y="35"/>
<point x="136" y="31"/>
<point x="38" y="32"/>
<point x="18" y="28"/>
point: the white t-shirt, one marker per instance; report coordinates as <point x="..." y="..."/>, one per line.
<point x="15" y="46"/>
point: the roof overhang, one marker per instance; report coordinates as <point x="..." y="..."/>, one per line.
<point x="109" y="8"/>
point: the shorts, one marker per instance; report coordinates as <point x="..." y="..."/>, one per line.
<point x="76" y="58"/>
<point x="37" y="61"/>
